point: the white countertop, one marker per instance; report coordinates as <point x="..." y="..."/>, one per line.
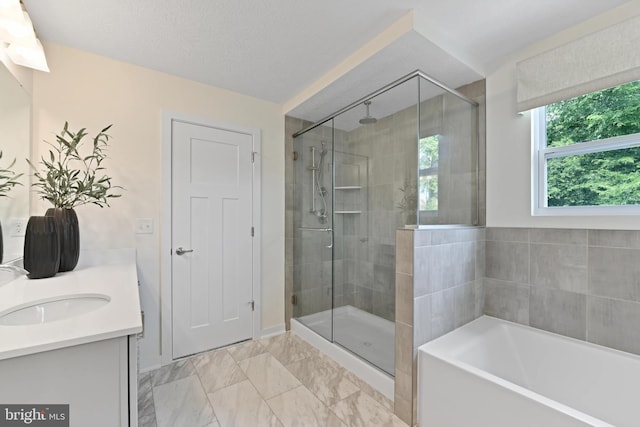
<point x="117" y="279"/>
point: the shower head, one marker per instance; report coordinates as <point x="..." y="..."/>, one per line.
<point x="367" y="120"/>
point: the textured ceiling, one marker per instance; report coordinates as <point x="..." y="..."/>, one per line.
<point x="267" y="49"/>
<point x="275" y="49"/>
<point x="394" y="61"/>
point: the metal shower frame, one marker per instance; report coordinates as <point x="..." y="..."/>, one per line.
<point x="401" y="80"/>
<point x="416" y="73"/>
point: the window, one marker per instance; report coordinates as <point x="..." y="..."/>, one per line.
<point x="587" y="153"/>
<point x="428" y="165"/>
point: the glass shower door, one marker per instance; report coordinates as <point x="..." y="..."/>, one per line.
<point x="313" y="230"/>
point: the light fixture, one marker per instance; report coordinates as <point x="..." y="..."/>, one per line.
<point x="28" y="55"/>
<point x="16" y="29"/>
<point x="14" y="23"/>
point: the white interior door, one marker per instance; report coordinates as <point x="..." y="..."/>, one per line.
<point x="212" y="224"/>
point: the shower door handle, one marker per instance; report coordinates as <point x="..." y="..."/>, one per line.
<point x="326" y="230"/>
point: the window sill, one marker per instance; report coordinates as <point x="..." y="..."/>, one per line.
<point x="587" y="211"/>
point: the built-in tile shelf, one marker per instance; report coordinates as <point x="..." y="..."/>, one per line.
<point x="349" y="187"/>
<point x="348" y="212"/>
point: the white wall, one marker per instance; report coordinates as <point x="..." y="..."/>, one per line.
<point x="23" y="75"/>
<point x="93" y="91"/>
<point x="509" y="141"/>
<point x="15" y="125"/>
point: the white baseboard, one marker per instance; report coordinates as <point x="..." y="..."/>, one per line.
<point x="145" y="369"/>
<point x="265" y="333"/>
<point x="272" y="331"/>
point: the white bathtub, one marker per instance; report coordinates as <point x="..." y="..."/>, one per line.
<point x="500" y="374"/>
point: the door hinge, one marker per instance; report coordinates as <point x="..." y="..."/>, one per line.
<point x="253" y="231"/>
<point x="253" y="306"/>
<point x="295" y="156"/>
<point x="294" y="299"/>
<point x="141" y="333"/>
<point x="253" y="156"/>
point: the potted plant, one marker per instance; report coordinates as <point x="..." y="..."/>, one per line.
<point x="73" y="175"/>
<point x="409" y="202"/>
<point x="8" y="180"/>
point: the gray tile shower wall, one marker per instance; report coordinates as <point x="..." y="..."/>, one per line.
<point x="448" y="266"/>
<point x="371" y="165"/>
<point x="575" y="282"/>
<point x="439" y="287"/>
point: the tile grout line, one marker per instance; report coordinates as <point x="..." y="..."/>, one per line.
<point x="588" y="287"/>
<point x="331" y="409"/>
<point x="307" y="355"/>
<point x="266" y="401"/>
<point x="319" y="355"/>
<point x="153" y="402"/>
<point x="205" y="392"/>
<point x="271" y="408"/>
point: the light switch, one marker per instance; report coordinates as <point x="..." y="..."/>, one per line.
<point x="144" y="226"/>
<point x="17" y="227"/>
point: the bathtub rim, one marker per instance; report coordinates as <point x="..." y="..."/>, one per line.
<point x="438" y="342"/>
<point x="434" y="350"/>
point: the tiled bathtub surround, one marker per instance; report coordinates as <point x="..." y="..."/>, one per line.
<point x="439" y="287"/>
<point x="575" y="282"/>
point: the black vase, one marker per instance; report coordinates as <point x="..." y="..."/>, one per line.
<point x="41" y="247"/>
<point x="68" y="236"/>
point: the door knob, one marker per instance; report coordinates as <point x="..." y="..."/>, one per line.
<point x="181" y="251"/>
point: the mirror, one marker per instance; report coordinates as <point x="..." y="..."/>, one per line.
<point x="15" y="123"/>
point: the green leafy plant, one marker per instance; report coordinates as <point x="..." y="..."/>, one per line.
<point x="599" y="178"/>
<point x="8" y="178"/>
<point x="409" y="201"/>
<point x="70" y="178"/>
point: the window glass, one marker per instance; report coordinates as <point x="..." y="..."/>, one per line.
<point x="588" y="150"/>
<point x="428" y="161"/>
<point x="594" y="116"/>
<point x="608" y="178"/>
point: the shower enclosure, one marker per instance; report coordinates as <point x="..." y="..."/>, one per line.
<point x="406" y="155"/>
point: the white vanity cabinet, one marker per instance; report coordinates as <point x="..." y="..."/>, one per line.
<point x="88" y="361"/>
<point x="94" y="379"/>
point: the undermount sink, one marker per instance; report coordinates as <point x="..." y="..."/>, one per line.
<point x="53" y="310"/>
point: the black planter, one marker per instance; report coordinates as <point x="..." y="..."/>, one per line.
<point x="41" y="247"/>
<point x="68" y="236"/>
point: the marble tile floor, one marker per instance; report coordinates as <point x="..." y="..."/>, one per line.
<point x="280" y="381"/>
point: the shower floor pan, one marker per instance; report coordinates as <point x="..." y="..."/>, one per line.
<point x="367" y="335"/>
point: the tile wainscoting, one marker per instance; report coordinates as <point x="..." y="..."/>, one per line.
<point x="439" y="276"/>
<point x="581" y="283"/>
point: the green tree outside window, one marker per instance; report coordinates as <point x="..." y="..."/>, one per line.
<point x="602" y="178"/>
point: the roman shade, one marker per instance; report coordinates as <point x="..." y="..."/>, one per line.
<point x="603" y="59"/>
